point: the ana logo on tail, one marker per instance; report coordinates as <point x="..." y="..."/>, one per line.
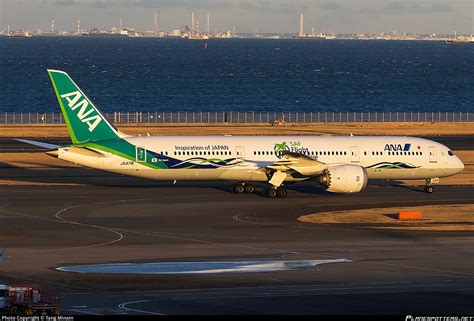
<point x="84" y="114"/>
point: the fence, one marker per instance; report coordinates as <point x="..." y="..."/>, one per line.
<point x="246" y="117"/>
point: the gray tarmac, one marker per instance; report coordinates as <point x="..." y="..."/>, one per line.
<point x="129" y="220"/>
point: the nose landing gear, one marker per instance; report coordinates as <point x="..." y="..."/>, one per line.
<point x="428" y="185"/>
<point x="429" y="189"/>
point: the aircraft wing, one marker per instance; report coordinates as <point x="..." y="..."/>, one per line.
<point x="40" y="144"/>
<point x="303" y="164"/>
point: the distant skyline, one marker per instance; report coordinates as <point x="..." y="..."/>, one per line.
<point x="344" y="16"/>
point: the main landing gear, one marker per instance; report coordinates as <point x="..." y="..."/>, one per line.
<point x="270" y="192"/>
<point x="428" y="185"/>
<point x="276" y="188"/>
<point x="241" y="188"/>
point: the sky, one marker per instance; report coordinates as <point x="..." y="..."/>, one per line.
<point x="280" y="16"/>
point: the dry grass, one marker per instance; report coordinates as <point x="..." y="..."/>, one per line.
<point x="435" y="218"/>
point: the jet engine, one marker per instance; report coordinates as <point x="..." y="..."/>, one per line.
<point x="348" y="178"/>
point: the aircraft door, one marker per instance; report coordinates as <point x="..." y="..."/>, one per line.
<point x="432" y="151"/>
<point x="355" y="158"/>
<point x="240" y="151"/>
<point x="140" y="154"/>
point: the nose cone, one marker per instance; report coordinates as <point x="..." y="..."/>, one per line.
<point x="459" y="165"/>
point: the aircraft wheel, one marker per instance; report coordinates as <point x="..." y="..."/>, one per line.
<point x="270" y="192"/>
<point x="249" y="188"/>
<point x="281" y="192"/>
<point x="239" y="188"/>
<point x="429" y="189"/>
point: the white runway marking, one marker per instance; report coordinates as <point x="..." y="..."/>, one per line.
<point x="84" y="312"/>
<point x="123" y="306"/>
<point x="116" y="230"/>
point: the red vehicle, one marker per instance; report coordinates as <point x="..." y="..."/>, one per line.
<point x="31" y="300"/>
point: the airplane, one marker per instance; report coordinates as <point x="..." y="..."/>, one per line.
<point x="340" y="164"/>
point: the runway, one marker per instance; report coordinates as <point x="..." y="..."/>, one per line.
<point x="80" y="216"/>
<point x="391" y="271"/>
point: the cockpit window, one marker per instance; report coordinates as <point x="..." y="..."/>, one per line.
<point x="450" y="153"/>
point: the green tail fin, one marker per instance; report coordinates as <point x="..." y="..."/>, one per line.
<point x="84" y="121"/>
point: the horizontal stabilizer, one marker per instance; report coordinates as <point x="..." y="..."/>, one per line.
<point x="40" y="144"/>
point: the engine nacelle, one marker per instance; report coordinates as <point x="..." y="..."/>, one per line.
<point x="348" y="178"/>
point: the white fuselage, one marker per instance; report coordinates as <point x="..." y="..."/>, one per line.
<point x="242" y="158"/>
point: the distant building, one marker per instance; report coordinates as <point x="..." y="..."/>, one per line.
<point x="175" y="33"/>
